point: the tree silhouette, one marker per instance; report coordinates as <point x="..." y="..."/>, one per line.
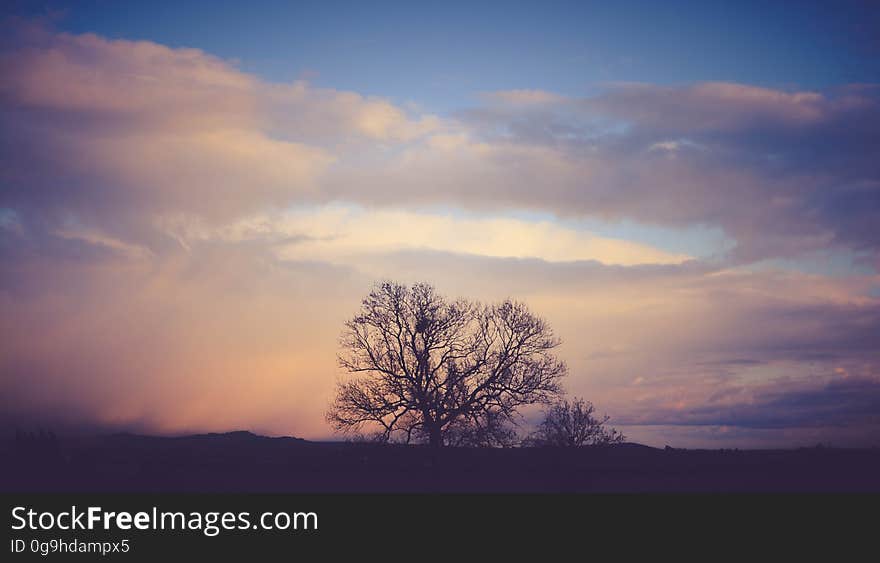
<point x="572" y="424"/>
<point x="446" y="372"/>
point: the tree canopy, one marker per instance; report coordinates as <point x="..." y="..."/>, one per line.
<point x="428" y="369"/>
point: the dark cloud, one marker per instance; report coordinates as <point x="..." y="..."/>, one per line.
<point x="782" y="173"/>
<point x="843" y="402"/>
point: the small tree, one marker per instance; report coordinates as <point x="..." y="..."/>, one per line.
<point x="572" y="424"/>
<point x="440" y="371"/>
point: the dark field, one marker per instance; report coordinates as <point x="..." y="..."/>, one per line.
<point x="244" y="462"/>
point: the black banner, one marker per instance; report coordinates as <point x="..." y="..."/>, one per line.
<point x="395" y="527"/>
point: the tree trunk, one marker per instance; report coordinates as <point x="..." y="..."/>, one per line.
<point x="436" y="436"/>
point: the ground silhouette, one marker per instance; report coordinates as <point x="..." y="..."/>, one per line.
<point x="245" y="462"/>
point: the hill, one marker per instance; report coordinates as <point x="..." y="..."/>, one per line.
<point x="245" y="462"/>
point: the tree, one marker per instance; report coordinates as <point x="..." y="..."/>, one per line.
<point x="572" y="424"/>
<point x="446" y="372"/>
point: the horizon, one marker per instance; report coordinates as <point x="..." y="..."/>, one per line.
<point x="44" y="434"/>
<point x="197" y="197"/>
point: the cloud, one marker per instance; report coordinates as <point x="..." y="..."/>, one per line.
<point x="841" y="402"/>
<point x="715" y="106"/>
<point x="218" y="337"/>
<point x="333" y="117"/>
<point x="783" y="174"/>
<point x="175" y="232"/>
<point x="159" y="343"/>
<point x="341" y="234"/>
<point x="121" y="134"/>
<point x="524" y="97"/>
<point x="110" y="128"/>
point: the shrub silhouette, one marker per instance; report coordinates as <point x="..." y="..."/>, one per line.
<point x="573" y="424"/>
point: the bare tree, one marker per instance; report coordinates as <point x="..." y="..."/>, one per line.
<point x="490" y="430"/>
<point x="446" y="372"/>
<point x="572" y="424"/>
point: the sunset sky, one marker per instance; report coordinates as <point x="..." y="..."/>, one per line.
<point x="195" y="196"/>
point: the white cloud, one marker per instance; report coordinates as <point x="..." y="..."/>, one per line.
<point x="339" y="234"/>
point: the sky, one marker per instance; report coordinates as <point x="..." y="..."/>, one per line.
<point x="195" y="196"/>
